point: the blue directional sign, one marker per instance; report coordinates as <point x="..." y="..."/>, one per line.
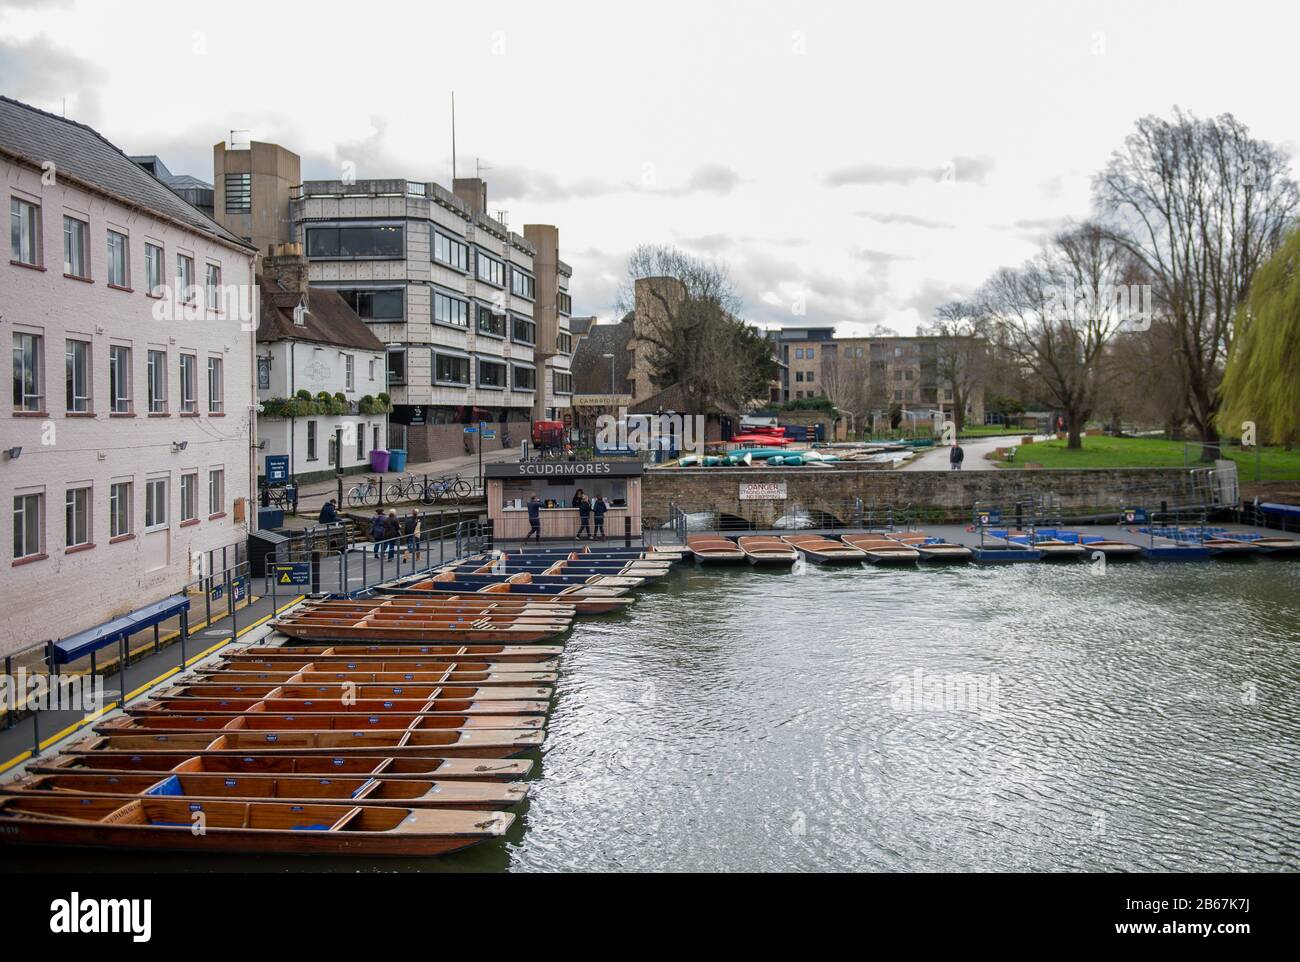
<point x="238" y="589"/>
<point x="292" y="573"/>
<point x="1135" y="515"/>
<point x="471" y="430"/>
<point x="277" y="468"/>
<point x="989" y="516"/>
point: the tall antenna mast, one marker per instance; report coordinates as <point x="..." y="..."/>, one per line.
<point x="453" y="139"/>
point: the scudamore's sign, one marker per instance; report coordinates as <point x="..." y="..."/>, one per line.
<point x="564" y="469"/>
<point x="756" y="491"/>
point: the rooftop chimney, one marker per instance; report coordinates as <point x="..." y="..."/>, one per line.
<point x="473" y="191"/>
<point x="286" y="267"/>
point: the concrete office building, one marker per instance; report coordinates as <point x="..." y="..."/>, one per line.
<point x="127" y="432"/>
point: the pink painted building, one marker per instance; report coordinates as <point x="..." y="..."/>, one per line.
<point x="125" y="441"/>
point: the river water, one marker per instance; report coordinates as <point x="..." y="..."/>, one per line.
<point x="1028" y="717"/>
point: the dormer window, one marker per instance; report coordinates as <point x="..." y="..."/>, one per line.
<point x="300" y="314"/>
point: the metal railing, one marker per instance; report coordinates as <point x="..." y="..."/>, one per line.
<point x="362" y="565"/>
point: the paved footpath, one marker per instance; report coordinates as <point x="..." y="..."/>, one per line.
<point x="936" y="458"/>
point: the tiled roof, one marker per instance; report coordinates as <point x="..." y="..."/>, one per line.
<point x="329" y="319"/>
<point x="81" y="152"/>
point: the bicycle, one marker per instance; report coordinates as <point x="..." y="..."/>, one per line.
<point x="280" y="496"/>
<point x="448" y="489"/>
<point x="368" y="493"/>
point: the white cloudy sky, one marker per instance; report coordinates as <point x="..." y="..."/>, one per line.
<point x="802" y="144"/>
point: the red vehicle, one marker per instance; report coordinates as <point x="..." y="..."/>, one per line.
<point x="548" y="434"/>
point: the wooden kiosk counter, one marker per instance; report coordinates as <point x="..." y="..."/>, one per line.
<point x="510" y="485"/>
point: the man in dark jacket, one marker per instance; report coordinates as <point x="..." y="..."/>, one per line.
<point x="535" y="518"/>
<point x="583" y="504"/>
<point x="377" y="525"/>
<point x="956" y="456"/>
<point x="599" y="510"/>
<point x="392" y="531"/>
<point x="411" y="529"/>
<point x="329" y="514"/>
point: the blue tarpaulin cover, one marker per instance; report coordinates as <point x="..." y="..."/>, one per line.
<point x="92" y="639"/>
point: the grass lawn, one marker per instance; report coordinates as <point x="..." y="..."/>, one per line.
<point x="1106" y="452"/>
<point x="993" y="431"/>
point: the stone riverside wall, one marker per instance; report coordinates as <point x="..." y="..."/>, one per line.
<point x="933" y="495"/>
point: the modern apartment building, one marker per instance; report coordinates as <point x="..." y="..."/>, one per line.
<point x="869" y="375"/>
<point x="126" y="435"/>
<point x="475" y="316"/>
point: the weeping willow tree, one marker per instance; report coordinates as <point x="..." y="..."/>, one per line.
<point x="1262" y="380"/>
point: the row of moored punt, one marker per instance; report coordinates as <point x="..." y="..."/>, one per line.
<point x="390" y="725"/>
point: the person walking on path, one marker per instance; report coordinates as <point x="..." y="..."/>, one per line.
<point x="956" y="456"/>
<point x="392" y="531"/>
<point x="583" y="504"/>
<point x="377" y="525"/>
<point x="599" y="510"/>
<point x="534" y="518"/>
<point x="411" y="528"/>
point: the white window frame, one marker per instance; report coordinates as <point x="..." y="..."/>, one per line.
<point x="76" y="253"/>
<point x="349" y="372"/>
<point x="216" y="490"/>
<point x="120" y="505"/>
<point x="24" y="401"/>
<point x="156" y="374"/>
<point x="154" y="504"/>
<point x="189" y="496"/>
<point x="213" y="288"/>
<point x="155" y="276"/>
<point x="189" y="402"/>
<point x="24" y="510"/>
<point x="184" y="278"/>
<point x="73" y="402"/>
<point x="25" y="231"/>
<point x="216" y="386"/>
<point x="79" y="525"/>
<point x="119" y="259"/>
<point x="119" y="379"/>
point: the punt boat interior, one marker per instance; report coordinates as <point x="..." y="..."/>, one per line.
<point x="498" y="743"/>
<point x="714" y="549"/>
<point x="521" y="586"/>
<point x="337" y="703"/>
<point x="398" y="656"/>
<point x="218" y="687"/>
<point x="261" y="763"/>
<point x="256" y="721"/>
<point x="1042" y="540"/>
<point x="767" y="550"/>
<point x="301" y="789"/>
<point x="1109" y="547"/>
<point x="541" y="575"/>
<point x="881" y="550"/>
<point x="823" y="550"/>
<point x="313" y="625"/>
<point x="932" y="548"/>
<point x="163" y="823"/>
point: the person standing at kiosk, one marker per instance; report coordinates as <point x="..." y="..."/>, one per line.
<point x="583" y="504"/>
<point x="535" y="518"/>
<point x="599" y="510"/>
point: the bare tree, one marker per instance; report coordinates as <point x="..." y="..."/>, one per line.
<point x="846" y="380"/>
<point x="1058" y="313"/>
<point x="961" y="355"/>
<point x="1201" y="204"/>
<point x="686" y="313"/>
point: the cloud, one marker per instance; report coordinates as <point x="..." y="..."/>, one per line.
<point x="43" y="75"/>
<point x="957" y="169"/>
<point x="910" y="220"/>
<point x="712" y="178"/>
<point x="529" y="184"/>
<point x="930" y="295"/>
<point x="879" y="259"/>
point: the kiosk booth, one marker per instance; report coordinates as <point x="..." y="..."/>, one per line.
<point x="511" y="485"/>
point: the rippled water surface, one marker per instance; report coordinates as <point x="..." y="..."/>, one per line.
<point x="1143" y="720"/>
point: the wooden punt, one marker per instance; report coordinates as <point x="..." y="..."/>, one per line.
<point x="333" y="704"/>
<point x="399" y="656"/>
<point x="261" y="721"/>
<point x="764" y="550"/>
<point x="229" y="674"/>
<point x="670" y="555"/>
<point x="576" y="567"/>
<point x="334" y="691"/>
<point x="881" y="550"/>
<point x="297" y="789"/>
<point x="409" y="596"/>
<point x="823" y="550"/>
<point x="415" y="628"/>
<point x="932" y="549"/>
<point x="260" y="763"/>
<point x="530" y="574"/>
<point x="497" y="743"/>
<point x="588" y="601"/>
<point x="1266" y="544"/>
<point x="1049" y="548"/>
<point x="167" y="824"/>
<point x="1230" y="548"/>
<point x="1112" y="550"/>
<point x="713" y="549"/>
<point x="451" y="607"/>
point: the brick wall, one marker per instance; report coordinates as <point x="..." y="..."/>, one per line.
<point x="940" y="495"/>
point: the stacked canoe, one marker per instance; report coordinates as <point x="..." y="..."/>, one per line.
<point x="389" y="725"/>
